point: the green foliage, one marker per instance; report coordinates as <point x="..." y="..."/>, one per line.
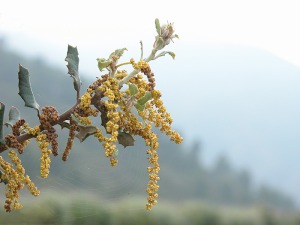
<point x="13" y="116"/>
<point x="25" y="90"/>
<point x="73" y="63"/>
<point x="125" y="139"/>
<point x="86" y="209"/>
<point x="85" y="131"/>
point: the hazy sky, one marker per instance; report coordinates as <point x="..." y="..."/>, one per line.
<point x="45" y="28"/>
<point x="272" y="25"/>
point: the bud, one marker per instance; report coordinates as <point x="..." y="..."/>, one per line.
<point x="165" y="35"/>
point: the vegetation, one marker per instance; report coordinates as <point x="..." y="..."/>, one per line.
<point x="84" y="190"/>
<point x="85" y="209"/>
<point x="117" y="96"/>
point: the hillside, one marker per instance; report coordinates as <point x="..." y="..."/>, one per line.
<point x="183" y="175"/>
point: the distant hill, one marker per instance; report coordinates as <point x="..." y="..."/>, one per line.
<point x="183" y="174"/>
<point x="241" y="101"/>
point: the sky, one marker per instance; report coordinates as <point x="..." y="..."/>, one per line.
<point x="45" y="28"/>
<point x="271" y="25"/>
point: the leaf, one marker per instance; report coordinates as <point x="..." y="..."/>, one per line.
<point x="139" y="106"/>
<point x="85" y="131"/>
<point x="13" y="116"/>
<point x="145" y="98"/>
<point x="25" y="90"/>
<point x="65" y="124"/>
<point x="75" y="119"/>
<point x="133" y="89"/>
<point x="2" y="109"/>
<point x="172" y="54"/>
<point x="118" y="52"/>
<point x="103" y="63"/>
<point x="159" y="43"/>
<point x="157" y="26"/>
<point x="73" y="61"/>
<point x="125" y="139"/>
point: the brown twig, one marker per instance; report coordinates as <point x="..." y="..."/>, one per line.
<point x="65" y="116"/>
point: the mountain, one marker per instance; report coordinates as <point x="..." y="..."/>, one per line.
<point x="241" y="101"/>
<point x="184" y="174"/>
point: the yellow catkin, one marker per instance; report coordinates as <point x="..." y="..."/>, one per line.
<point x="45" y="158"/>
<point x="34" y="131"/>
<point x="110" y="89"/>
<point x="15" y="178"/>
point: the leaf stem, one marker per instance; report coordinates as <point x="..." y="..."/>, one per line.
<point x="123" y="64"/>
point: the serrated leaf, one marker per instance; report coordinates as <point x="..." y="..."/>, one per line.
<point x="157" y="26"/>
<point x="118" y="52"/>
<point x="25" y="90"/>
<point x="85" y="131"/>
<point x="2" y="109"/>
<point x="103" y="63"/>
<point x="147" y="96"/>
<point x="125" y="139"/>
<point x="172" y="54"/>
<point x="13" y="116"/>
<point x="133" y="89"/>
<point x="73" y="63"/>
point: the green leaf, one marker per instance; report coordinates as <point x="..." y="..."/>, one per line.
<point x="125" y="139"/>
<point x="13" y="116"/>
<point x="103" y="63"/>
<point x="85" y="131"/>
<point x="73" y="62"/>
<point x="25" y="90"/>
<point x="2" y="109"/>
<point x="172" y="54"/>
<point x="75" y="119"/>
<point x="157" y="26"/>
<point x="145" y="98"/>
<point x="133" y="89"/>
<point x="118" y="52"/>
<point x="139" y="106"/>
<point x="159" y="43"/>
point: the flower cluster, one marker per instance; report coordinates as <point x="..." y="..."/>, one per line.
<point x="48" y="117"/>
<point x="45" y="158"/>
<point x="15" y="178"/>
<point x="128" y="104"/>
<point x="110" y="90"/>
<point x="72" y="132"/>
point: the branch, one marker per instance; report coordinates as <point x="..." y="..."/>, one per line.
<point x="62" y="118"/>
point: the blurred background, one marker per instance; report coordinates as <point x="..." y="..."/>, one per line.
<point x="232" y="90"/>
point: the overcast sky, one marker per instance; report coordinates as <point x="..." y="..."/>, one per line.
<point x="271" y="25"/>
<point x="45" y="28"/>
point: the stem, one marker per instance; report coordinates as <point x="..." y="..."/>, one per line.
<point x="123" y="64"/>
<point x="128" y="77"/>
<point x="135" y="72"/>
<point x="142" y="50"/>
<point x="152" y="55"/>
<point x="62" y="118"/>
